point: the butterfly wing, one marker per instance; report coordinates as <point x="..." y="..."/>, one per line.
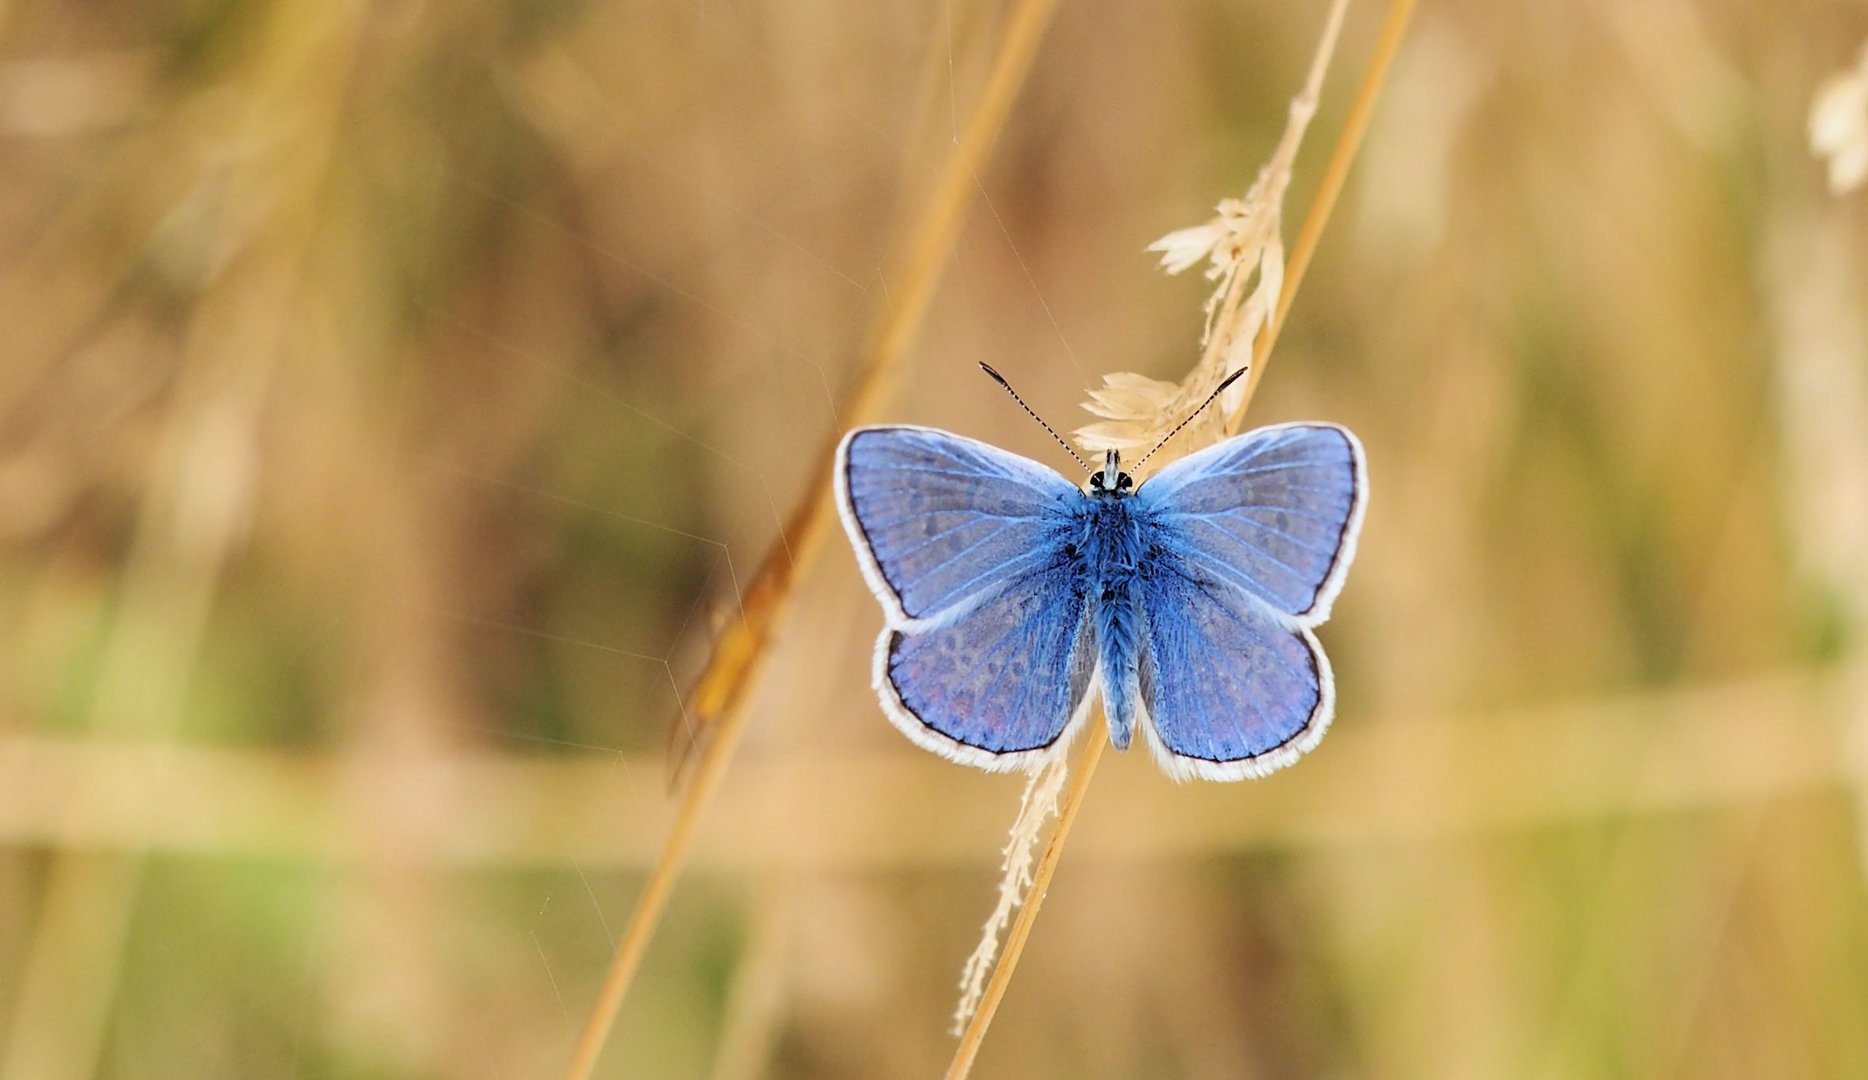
<point x="1253" y="537"/>
<point x="1226" y="690"/>
<point x="1274" y="512"/>
<point x="987" y="657"/>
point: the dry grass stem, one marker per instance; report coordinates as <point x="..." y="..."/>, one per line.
<point x="1329" y="187"/>
<point x="1038" y="805"/>
<point x="1243" y="245"/>
<point x="975" y="1031"/>
<point x="721" y="687"/>
<point x="1242" y="239"/>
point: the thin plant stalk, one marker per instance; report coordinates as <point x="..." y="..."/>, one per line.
<point x="719" y="692"/>
<point x="1393" y="29"/>
<point x="1330" y="186"/>
<point x="1067" y="808"/>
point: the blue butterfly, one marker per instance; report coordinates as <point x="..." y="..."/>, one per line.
<point x="1012" y="595"/>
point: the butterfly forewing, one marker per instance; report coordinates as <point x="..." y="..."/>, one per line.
<point x="1274" y="512"/>
<point x="936" y="518"/>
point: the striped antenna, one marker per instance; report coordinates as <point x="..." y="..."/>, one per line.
<point x="1000" y="379"/>
<point x="1210" y="398"/>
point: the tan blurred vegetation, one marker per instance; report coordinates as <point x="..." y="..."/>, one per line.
<point x="396" y="398"/>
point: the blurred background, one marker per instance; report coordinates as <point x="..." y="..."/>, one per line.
<point x="397" y="398"/>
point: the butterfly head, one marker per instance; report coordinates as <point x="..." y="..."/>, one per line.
<point x="1110" y="479"/>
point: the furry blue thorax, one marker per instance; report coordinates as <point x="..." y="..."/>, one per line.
<point x="1114" y="556"/>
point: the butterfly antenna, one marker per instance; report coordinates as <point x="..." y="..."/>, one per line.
<point x="1210" y="398"/>
<point x="1000" y="379"/>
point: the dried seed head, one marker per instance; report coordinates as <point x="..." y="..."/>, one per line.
<point x="1839" y="126"/>
<point x="1244" y="248"/>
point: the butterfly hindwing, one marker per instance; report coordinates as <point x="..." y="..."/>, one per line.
<point x="986" y="657"/>
<point x="1227" y="689"/>
<point x="1274" y="512"/>
<point x="1001" y="682"/>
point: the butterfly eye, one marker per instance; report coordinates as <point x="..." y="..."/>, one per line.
<point x="1123" y="482"/>
<point x="1096" y="480"/>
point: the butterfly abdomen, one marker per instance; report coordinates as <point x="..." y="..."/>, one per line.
<point x="1116" y="540"/>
